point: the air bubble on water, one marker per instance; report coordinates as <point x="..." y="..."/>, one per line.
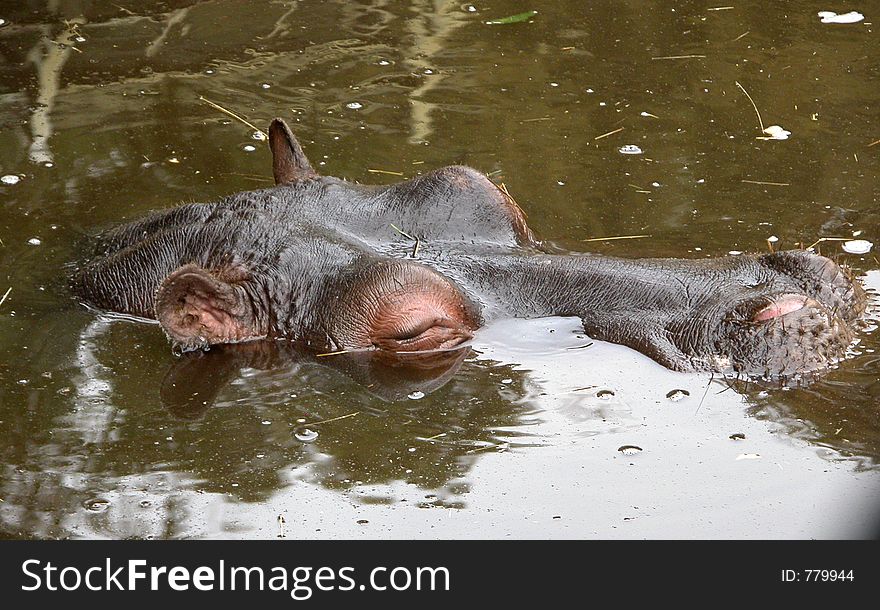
<point x="10" y="179"/>
<point x="677" y="395"/>
<point x="427" y="71"/>
<point x="249" y="148"/>
<point x="305" y="435"/>
<point x="734" y="252"/>
<point x="96" y="505"/>
<point x="604" y="394"/>
<point x="258" y="135"/>
<point x="832" y="17"/>
<point x="629" y="449"/>
<point x="629" y="149"/>
<point x="857" y="246"/>
<point x="554" y="84"/>
<point x="470" y="8"/>
<point x="506" y="381"/>
<point x="80" y="39"/>
<point x="384" y="62"/>
<point x="173" y="160"/>
<point x="265" y="85"/>
<point x="416" y="395"/>
<point x="209" y="72"/>
<point x="354" y="105"/>
<point x="590" y="90"/>
<point x="775" y="132"/>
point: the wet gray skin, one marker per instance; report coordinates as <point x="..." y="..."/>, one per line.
<point x="321" y="261"/>
<point x="108" y="434"/>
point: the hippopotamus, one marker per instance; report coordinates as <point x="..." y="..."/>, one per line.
<point x="419" y="265"/>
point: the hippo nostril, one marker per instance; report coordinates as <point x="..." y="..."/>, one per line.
<point x="780" y="306"/>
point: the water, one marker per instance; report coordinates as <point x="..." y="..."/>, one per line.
<point x="106" y="433"/>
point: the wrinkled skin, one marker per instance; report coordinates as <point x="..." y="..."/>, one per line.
<point x="420" y="265"/>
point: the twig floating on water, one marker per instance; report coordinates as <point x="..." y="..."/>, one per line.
<point x="384" y="171"/>
<point x="615" y="237"/>
<point x="610" y="133"/>
<point x="767" y="183"/>
<point x="327" y="421"/>
<point x="233" y="115"/>
<point x="755" y="106"/>
<point x="823" y="239"/>
<point x="5" y="294"/>
<point x="680" y="57"/>
<point x="741" y="36"/>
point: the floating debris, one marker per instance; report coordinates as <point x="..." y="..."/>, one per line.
<point x="96" y="505"/>
<point x="677" y="395"/>
<point x="604" y="394"/>
<point x="737" y="436"/>
<point x="259" y="135"/>
<point x="305" y="435"/>
<point x="416" y="395"/>
<point x="832" y="17"/>
<point x="748" y="456"/>
<point x="34" y="241"/>
<point x="354" y="105"/>
<point x="265" y="85"/>
<point x="249" y="148"/>
<point x="518" y="18"/>
<point x="775" y="132"/>
<point x="10" y="179"/>
<point x="630" y="149"/>
<point x="629" y="449"/>
<point x="857" y="246"/>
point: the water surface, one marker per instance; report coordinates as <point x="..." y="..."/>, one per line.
<point x="101" y="118"/>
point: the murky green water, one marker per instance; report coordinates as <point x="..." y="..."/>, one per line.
<point x="101" y="119"/>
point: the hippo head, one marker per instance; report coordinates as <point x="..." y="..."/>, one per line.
<point x="419" y="265"/>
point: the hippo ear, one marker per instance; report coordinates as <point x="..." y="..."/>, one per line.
<point x="289" y="162"/>
<point x="196" y="309"/>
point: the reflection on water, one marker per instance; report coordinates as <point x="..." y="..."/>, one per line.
<point x="107" y="434"/>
